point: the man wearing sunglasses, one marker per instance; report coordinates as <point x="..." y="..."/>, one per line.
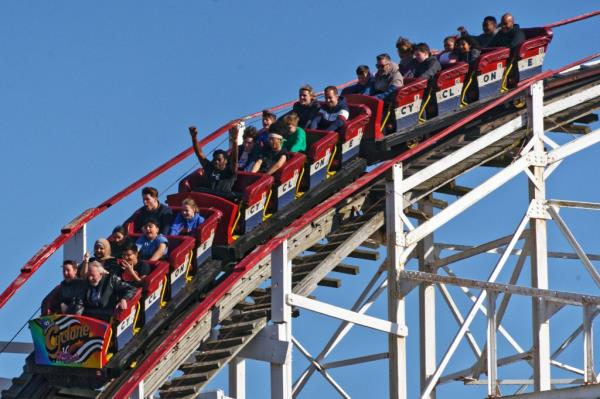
<point x="387" y="79"/>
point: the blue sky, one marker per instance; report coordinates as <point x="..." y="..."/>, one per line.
<point x="96" y="94"/>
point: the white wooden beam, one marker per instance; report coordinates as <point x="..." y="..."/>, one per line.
<point x="347" y="315"/>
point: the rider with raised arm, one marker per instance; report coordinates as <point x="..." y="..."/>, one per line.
<point x="220" y="174"/>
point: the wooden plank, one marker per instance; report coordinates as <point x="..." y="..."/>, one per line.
<point x="308" y="284"/>
<point x="364" y="254"/>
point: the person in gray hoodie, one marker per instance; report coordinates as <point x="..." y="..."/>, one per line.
<point x="387" y="79"/>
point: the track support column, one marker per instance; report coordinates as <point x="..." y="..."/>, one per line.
<point x="426" y="306"/>
<point x="281" y="315"/>
<point x="76" y="246"/>
<point x="237" y="378"/>
<point x="396" y="306"/>
<point x="538" y="242"/>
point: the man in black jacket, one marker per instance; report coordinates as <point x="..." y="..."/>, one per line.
<point x="71" y="290"/>
<point x="104" y="293"/>
<point x="510" y="34"/>
<point x="152" y="209"/>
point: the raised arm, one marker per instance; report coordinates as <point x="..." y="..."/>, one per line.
<point x="197" y="148"/>
<point x="233" y="133"/>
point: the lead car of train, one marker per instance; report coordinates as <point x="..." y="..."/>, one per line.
<point x="78" y="350"/>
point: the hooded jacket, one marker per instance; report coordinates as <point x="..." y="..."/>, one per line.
<point x="386" y="83"/>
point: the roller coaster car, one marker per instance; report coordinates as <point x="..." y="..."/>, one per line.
<point x="485" y="76"/>
<point x="82" y="341"/>
<point x="205" y="233"/>
<point x="532" y="51"/>
<point x="369" y="117"/>
<point x="154" y="291"/>
<point x="254" y="189"/>
<point x="181" y="262"/>
<point x="408" y="102"/>
<point x="321" y="151"/>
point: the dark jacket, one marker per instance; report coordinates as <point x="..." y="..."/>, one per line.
<point x="100" y="301"/>
<point x="245" y="162"/>
<point x="306" y="113"/>
<point x="116" y="250"/>
<point x="357" y="88"/>
<point x="469" y="57"/>
<point x="71" y="293"/>
<point x="510" y="39"/>
<point x="483" y="39"/>
<point x="426" y="69"/>
<point x="162" y="214"/>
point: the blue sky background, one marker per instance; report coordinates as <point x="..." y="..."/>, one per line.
<point x="94" y="95"/>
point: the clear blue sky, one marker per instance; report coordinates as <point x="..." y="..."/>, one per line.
<point x="96" y="94"/>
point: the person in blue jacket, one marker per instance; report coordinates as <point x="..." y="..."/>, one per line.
<point x="364" y="84"/>
<point x="188" y="221"/>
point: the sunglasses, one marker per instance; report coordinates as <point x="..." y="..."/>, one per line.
<point x="380" y="66"/>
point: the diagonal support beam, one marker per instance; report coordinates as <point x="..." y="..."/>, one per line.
<point x="347" y="315"/>
<point x="463" y="329"/>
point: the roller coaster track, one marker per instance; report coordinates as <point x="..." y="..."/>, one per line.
<point x="212" y="332"/>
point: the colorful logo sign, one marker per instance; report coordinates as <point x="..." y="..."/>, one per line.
<point x="69" y="340"/>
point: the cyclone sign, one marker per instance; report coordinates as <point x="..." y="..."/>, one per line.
<point x="69" y="340"/>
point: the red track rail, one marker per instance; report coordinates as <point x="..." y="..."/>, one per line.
<point x="574" y="19"/>
<point x="262" y="251"/>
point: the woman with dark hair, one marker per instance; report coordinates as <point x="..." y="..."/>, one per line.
<point x="467" y="49"/>
<point x="119" y="240"/>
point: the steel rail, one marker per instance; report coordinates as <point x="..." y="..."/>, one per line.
<point x="264" y="250"/>
<point x="573" y="19"/>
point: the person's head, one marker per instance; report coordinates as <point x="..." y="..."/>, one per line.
<point x="189" y="208"/>
<point x="130" y="254"/>
<point x="489" y="24"/>
<point x="95" y="273"/>
<point x="275" y="140"/>
<point x="465" y="44"/>
<point x="421" y="52"/>
<point x="69" y="269"/>
<point x="384" y="63"/>
<point x="306" y="95"/>
<point x="363" y="74"/>
<point x="249" y="137"/>
<point x="331" y="96"/>
<point x="119" y="234"/>
<point x="291" y="122"/>
<point x="404" y="47"/>
<point x="219" y="160"/>
<point x="507" y="22"/>
<point x="150" y="229"/>
<point x="102" y="248"/>
<point x="268" y="118"/>
<point x="449" y="42"/>
<point x="150" y="198"/>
